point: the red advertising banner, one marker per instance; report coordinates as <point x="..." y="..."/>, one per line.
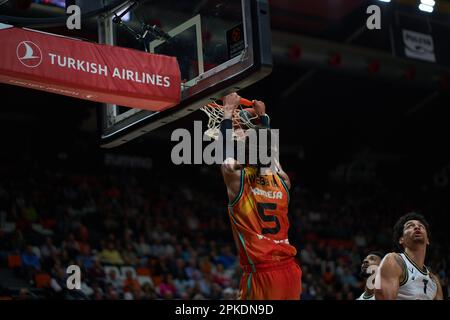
<point x="90" y="71"/>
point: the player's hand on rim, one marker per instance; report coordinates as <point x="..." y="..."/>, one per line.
<point x="260" y="107"/>
<point x="230" y="103"/>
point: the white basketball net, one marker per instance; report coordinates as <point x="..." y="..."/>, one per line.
<point x="242" y="121"/>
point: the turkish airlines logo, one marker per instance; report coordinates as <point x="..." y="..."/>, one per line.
<point x="29" y="54"/>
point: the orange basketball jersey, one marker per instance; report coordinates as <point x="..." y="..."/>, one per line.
<point x="259" y="219"/>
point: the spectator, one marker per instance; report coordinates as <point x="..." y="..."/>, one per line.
<point x="229" y="294"/>
<point x="30" y="259"/>
<point x="205" y="283"/>
<point x="111" y="293"/>
<point x="129" y="284"/>
<point x="110" y="255"/>
<point x="220" y="277"/>
<point x="148" y="292"/>
<point x="191" y="268"/>
<point x="328" y="276"/>
<point x="48" y="250"/>
<point x="179" y="271"/>
<point x="97" y="291"/>
<point x="349" y="279"/>
<point x="96" y="273"/>
<point x="216" y="292"/>
<point x="85" y="261"/>
<point x="226" y="258"/>
<point x="71" y="246"/>
<point x="129" y="255"/>
<point x="114" y="280"/>
<point x="196" y="261"/>
<point x="142" y="247"/>
<point x="85" y="288"/>
<point x="58" y="282"/>
<point x="30" y="262"/>
<point x="167" y="289"/>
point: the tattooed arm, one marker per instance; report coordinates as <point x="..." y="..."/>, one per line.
<point x="391" y="273"/>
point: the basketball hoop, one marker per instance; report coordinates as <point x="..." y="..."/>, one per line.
<point x="244" y="118"/>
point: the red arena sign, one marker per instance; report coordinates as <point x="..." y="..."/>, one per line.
<point x="90" y="71"/>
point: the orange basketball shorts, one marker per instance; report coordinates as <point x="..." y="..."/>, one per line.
<point x="280" y="281"/>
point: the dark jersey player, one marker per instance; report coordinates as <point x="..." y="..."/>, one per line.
<point x="368" y="268"/>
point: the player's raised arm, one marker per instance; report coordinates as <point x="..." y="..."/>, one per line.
<point x="230" y="165"/>
<point x="231" y="168"/>
<point x="260" y="109"/>
<point x="282" y="174"/>
<point x="391" y="273"/>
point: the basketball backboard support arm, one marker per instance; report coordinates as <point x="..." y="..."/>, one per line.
<point x="106" y="36"/>
<point x="250" y="64"/>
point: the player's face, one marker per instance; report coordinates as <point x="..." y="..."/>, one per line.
<point x="414" y="232"/>
<point x="370" y="260"/>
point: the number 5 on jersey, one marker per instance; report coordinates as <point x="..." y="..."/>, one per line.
<point x="262" y="207"/>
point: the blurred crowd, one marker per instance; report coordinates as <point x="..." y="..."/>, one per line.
<point x="136" y="238"/>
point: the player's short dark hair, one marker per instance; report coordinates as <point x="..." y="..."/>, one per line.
<point x="376" y="253"/>
<point x="400" y="224"/>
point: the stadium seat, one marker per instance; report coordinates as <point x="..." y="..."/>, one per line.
<point x="42" y="280"/>
<point x="143" y="271"/>
<point x="14" y="261"/>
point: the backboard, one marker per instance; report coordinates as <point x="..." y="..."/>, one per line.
<point x="221" y="46"/>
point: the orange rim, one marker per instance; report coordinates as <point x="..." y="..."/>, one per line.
<point x="246" y="102"/>
<point x="243" y="102"/>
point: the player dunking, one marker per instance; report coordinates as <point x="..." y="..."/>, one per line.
<point x="258" y="210"/>
<point x="404" y="276"/>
